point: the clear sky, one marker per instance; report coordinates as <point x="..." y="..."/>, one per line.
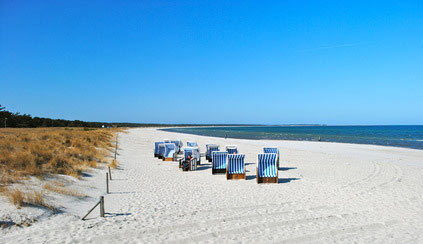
<point x="271" y="62"/>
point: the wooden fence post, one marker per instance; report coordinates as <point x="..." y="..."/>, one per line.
<point x="101" y="203"/>
<point x="116" y="144"/>
<point x="102" y="206"/>
<point x="110" y="173"/>
<point x="107" y="183"/>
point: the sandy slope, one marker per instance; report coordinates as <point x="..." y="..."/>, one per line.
<point x="328" y="193"/>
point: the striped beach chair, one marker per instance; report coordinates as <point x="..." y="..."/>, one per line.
<point x="219" y="160"/>
<point x="178" y="144"/>
<point x="235" y="169"/>
<point x="169" y="152"/>
<point x="194" y="152"/>
<point x="267" y="171"/>
<point x="192" y="166"/>
<point x="232" y="149"/>
<point x="272" y="150"/>
<point x="156" y="148"/>
<point x="209" y="149"/>
<point x="161" y="150"/>
<point x="189" y="165"/>
<point x="192" y="144"/>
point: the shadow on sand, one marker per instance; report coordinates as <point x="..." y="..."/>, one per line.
<point x="287" y="180"/>
<point x="203" y="167"/>
<point x="286" y="168"/>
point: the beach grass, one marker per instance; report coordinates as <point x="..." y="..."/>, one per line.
<point x="45" y="151"/>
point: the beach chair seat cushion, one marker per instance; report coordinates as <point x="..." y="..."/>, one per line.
<point x="169" y="152"/>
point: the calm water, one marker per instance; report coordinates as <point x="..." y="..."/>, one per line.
<point x="398" y="136"/>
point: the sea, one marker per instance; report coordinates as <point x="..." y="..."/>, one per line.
<point x="408" y="136"/>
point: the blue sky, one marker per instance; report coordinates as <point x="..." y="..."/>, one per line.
<point x="271" y="62"/>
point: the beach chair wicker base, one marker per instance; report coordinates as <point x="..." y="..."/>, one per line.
<point x="167" y="159"/>
<point x="218" y="171"/>
<point x="156" y="155"/>
<point x="236" y="176"/>
<point x="267" y="180"/>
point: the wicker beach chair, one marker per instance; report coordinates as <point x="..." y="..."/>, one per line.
<point x="272" y="150"/>
<point x="169" y="152"/>
<point x="161" y="150"/>
<point x="209" y="149"/>
<point x="235" y="169"/>
<point x="232" y="149"/>
<point x="156" y="148"/>
<point x="178" y="144"/>
<point x="219" y="160"/>
<point x="194" y="152"/>
<point x="192" y="144"/>
<point x="188" y="164"/>
<point x="267" y="171"/>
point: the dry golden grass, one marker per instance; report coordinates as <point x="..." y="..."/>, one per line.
<point x="41" y="151"/>
<point x="21" y="198"/>
<point x="15" y="196"/>
<point x="114" y="164"/>
<point x="58" y="187"/>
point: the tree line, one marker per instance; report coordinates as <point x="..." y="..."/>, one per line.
<point x="17" y="120"/>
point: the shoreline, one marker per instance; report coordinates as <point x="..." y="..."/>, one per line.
<point x="286" y="140"/>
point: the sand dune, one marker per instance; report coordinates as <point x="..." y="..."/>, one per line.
<point x="327" y="193"/>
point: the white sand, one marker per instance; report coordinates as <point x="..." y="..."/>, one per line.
<point x="328" y="193"/>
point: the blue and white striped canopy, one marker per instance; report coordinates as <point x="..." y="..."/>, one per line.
<point x="192" y="144"/>
<point x="219" y="160"/>
<point x="156" y="147"/>
<point x="161" y="149"/>
<point x="236" y="164"/>
<point x="271" y="150"/>
<point x="178" y="144"/>
<point x="266" y="165"/>
<point x="170" y="150"/>
<point x="231" y="149"/>
<point x="211" y="148"/>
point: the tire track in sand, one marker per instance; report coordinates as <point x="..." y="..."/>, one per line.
<point x="208" y="222"/>
<point x="341" y="231"/>
<point x="375" y="173"/>
<point x="397" y="175"/>
<point x="261" y="226"/>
